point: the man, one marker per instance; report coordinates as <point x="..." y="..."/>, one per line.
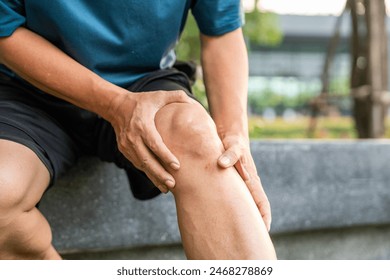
<point x="96" y="77"/>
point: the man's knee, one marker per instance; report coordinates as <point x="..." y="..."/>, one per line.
<point x="188" y="129"/>
<point x="12" y="194"/>
<point x="19" y="192"/>
<point x="23" y="179"/>
<point x="19" y="222"/>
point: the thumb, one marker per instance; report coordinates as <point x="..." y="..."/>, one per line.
<point x="229" y="158"/>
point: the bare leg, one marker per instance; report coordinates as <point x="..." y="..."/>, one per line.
<point x="24" y="232"/>
<point x="217" y="216"/>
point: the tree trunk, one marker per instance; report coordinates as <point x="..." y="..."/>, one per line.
<point x="369" y="66"/>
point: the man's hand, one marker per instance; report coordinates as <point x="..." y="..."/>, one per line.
<point x="237" y="154"/>
<point x="132" y="117"/>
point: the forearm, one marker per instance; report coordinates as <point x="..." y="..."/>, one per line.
<point x="54" y="72"/>
<point x="225" y="67"/>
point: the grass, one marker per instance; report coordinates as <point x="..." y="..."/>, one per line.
<point x="327" y="128"/>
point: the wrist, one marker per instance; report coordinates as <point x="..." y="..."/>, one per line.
<point x="110" y="97"/>
<point x="233" y="130"/>
<point x="234" y="123"/>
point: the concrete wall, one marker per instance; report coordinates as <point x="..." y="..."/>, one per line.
<point x="330" y="200"/>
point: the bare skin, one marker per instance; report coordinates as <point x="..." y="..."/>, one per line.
<point x="217" y="215"/>
<point x="24" y="232"/>
<point x="235" y="228"/>
<point x="225" y="67"/>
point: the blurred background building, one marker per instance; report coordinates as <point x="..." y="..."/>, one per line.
<point x="293" y="68"/>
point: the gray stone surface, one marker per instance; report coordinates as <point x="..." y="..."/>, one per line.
<point x="170" y="252"/>
<point x="316" y="184"/>
<point x="360" y="243"/>
<point x="92" y="208"/>
<point x="311" y="186"/>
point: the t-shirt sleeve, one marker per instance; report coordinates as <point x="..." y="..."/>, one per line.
<point x="11" y="16"/>
<point x="217" y="17"/>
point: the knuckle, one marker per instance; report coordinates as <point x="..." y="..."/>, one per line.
<point x="233" y="154"/>
<point x="137" y="164"/>
<point x="137" y="123"/>
<point x="181" y="93"/>
<point x="161" y="177"/>
<point x="257" y="178"/>
<point x="144" y="164"/>
<point x="153" y="144"/>
<point x="122" y="145"/>
<point x="265" y="202"/>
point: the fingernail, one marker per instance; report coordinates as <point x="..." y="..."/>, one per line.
<point x="175" y="166"/>
<point x="163" y="189"/>
<point x="225" y="160"/>
<point x="170" y="184"/>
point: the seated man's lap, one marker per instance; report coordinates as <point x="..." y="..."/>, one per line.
<point x="59" y="132"/>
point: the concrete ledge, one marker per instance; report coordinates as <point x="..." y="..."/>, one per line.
<point x="316" y="185"/>
<point x="311" y="185"/>
<point x="92" y="209"/>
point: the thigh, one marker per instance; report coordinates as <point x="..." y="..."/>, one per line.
<point x="22" y="121"/>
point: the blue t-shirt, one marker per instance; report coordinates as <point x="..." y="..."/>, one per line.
<point x="120" y="40"/>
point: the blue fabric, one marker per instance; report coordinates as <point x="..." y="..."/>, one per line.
<point x="120" y="40"/>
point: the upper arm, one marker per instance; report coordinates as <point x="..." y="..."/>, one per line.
<point x="231" y="42"/>
<point x="217" y="17"/>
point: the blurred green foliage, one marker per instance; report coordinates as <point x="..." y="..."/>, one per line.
<point x="188" y="48"/>
<point x="260" y="29"/>
<point x="329" y="127"/>
<point x="269" y="99"/>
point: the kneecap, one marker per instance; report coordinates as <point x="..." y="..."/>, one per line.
<point x="188" y="128"/>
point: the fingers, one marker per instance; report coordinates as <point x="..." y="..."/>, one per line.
<point x="148" y="131"/>
<point x="134" y="148"/>
<point x="148" y="163"/>
<point x="235" y="155"/>
<point x="260" y="198"/>
<point x="267" y="217"/>
<point x="242" y="171"/>
<point x="156" y="144"/>
<point x="256" y="189"/>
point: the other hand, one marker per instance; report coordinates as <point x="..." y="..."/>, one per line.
<point x="237" y="154"/>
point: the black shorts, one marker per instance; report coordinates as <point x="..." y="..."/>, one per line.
<point x="59" y="132"/>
